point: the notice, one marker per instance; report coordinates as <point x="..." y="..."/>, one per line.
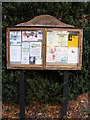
<point x="73" y="56"/>
<point x="51" y="38"/>
<point x="35" y="49"/>
<point x="25" y="47"/>
<point x="40" y="35"/>
<point x="15" y="37"/>
<point x="57" y="54"/>
<point x="61" y="54"/>
<point x="32" y="35"/>
<point x="25" y="52"/>
<point x="32" y="60"/>
<point x="15" y="54"/>
<point x="38" y="60"/>
<point x="29" y="36"/>
<point x="25" y="58"/>
<point x="51" y="54"/>
<point x="61" y="38"/>
<point x="73" y="39"/>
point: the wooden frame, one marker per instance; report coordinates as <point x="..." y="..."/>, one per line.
<point x="44" y="65"/>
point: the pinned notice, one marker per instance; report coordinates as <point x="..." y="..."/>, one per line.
<point x="35" y="49"/>
<point x="15" y="37"/>
<point x="51" y="38"/>
<point x="73" y="56"/>
<point x="61" y="54"/>
<point x="15" y="54"/>
<point x="61" y="38"/>
<point x="73" y="39"/>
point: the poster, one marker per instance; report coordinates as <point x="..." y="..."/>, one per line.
<point x="35" y="49"/>
<point x="61" y="54"/>
<point x="51" y="38"/>
<point x="25" y="52"/>
<point x="25" y="58"/>
<point x="15" y="37"/>
<point x="38" y="60"/>
<point x="25" y="47"/>
<point x="73" y="39"/>
<point x="40" y="35"/>
<point x="51" y="54"/>
<point x="57" y="54"/>
<point x="61" y="38"/>
<point x="32" y="35"/>
<point x="73" y="56"/>
<point x="31" y="60"/>
<point x="15" y="54"/>
<point x="57" y="38"/>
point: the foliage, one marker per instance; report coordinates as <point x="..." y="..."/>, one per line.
<point x="46" y="86"/>
<point x="43" y="91"/>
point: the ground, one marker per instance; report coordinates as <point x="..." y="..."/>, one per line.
<point x="77" y="109"/>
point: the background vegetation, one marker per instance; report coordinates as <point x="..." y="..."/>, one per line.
<point x="46" y="86"/>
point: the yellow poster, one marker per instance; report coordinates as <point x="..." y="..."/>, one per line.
<point x="72" y="40"/>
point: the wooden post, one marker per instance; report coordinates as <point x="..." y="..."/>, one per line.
<point x="65" y="94"/>
<point x="22" y="101"/>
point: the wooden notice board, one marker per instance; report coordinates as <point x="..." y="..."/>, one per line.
<point x="40" y="48"/>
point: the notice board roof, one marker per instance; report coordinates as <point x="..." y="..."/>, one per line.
<point x="45" y="21"/>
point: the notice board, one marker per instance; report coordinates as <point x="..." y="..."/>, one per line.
<point x="35" y="48"/>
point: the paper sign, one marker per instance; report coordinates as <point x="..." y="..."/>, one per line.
<point x="51" y="54"/>
<point x="29" y="36"/>
<point x="38" y="60"/>
<point x="51" y="38"/>
<point x="72" y="40"/>
<point x="73" y="56"/>
<point x="32" y="35"/>
<point x="61" y="54"/>
<point x="40" y="35"/>
<point x="35" y="49"/>
<point x="32" y="60"/>
<point x="61" y="38"/>
<point x="15" y="54"/>
<point x="25" y="58"/>
<point x="57" y="38"/>
<point x="25" y="47"/>
<point x="15" y="37"/>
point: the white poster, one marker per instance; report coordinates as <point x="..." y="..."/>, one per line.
<point x="51" y="54"/>
<point x="73" y="56"/>
<point x="15" y="37"/>
<point x="15" y="54"/>
<point x="29" y="36"/>
<point x="61" y="38"/>
<point x="61" y="54"/>
<point x="25" y="58"/>
<point x="25" y="47"/>
<point x="61" y="58"/>
<point x="35" y="49"/>
<point x="57" y="54"/>
<point x="38" y="60"/>
<point x="51" y="38"/>
<point x="32" y="35"/>
<point x="57" y="38"/>
<point x="25" y="52"/>
<point x="40" y="35"/>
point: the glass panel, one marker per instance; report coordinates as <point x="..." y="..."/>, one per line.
<point x="26" y="47"/>
<point x="62" y="47"/>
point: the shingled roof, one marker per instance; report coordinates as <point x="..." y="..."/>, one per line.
<point x="45" y="21"/>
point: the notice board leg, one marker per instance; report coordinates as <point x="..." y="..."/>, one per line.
<point x="65" y="94"/>
<point x="22" y="102"/>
